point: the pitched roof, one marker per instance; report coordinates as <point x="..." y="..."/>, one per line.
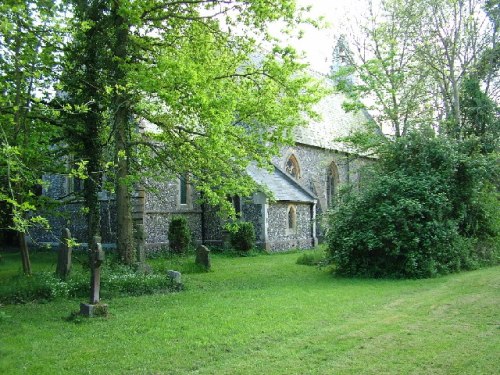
<point x="283" y="187"/>
<point x="334" y="123"/>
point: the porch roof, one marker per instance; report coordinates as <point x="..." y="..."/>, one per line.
<point x="282" y="186"/>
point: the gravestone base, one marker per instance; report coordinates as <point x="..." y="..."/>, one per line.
<point x="90" y="310"/>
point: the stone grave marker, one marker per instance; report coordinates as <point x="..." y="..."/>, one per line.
<point x="174" y="276"/>
<point x="203" y="256"/>
<point x="96" y="260"/>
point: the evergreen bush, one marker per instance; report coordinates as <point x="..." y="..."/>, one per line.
<point x="179" y="235"/>
<point x="419" y="215"/>
<point x="243" y="237"/>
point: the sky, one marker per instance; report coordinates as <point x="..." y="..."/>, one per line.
<point x="318" y="44"/>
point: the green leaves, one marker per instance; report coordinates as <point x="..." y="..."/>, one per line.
<point x="418" y="214"/>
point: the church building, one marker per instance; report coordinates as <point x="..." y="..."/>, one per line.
<point x="287" y="213"/>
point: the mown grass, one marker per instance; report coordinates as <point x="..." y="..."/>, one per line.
<point x="268" y="315"/>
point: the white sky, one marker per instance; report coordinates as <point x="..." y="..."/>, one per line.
<point x="318" y="44"/>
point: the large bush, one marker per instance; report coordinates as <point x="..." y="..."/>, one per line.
<point x="179" y="235"/>
<point x="418" y="215"/>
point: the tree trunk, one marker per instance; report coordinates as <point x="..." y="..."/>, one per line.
<point x="25" y="255"/>
<point x="121" y="116"/>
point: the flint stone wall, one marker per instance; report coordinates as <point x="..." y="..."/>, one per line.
<point x="70" y="215"/>
<point x="279" y="236"/>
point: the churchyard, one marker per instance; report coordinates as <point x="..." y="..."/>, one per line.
<point x="259" y="314"/>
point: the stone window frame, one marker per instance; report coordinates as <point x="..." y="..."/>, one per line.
<point x="186" y="186"/>
<point x="293" y="169"/>
<point x="291" y="219"/>
<point x="332" y="183"/>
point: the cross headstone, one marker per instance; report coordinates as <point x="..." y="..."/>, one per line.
<point x="96" y="259"/>
<point x="203" y="256"/>
<point x="64" y="256"/>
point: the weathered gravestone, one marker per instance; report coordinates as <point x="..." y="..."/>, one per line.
<point x="203" y="257"/>
<point x="64" y="256"/>
<point x="96" y="259"/>
<point x="174" y="276"/>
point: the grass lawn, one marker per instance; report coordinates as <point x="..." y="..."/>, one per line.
<point x="268" y="315"/>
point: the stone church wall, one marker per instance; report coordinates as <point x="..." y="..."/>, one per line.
<point x="161" y="205"/>
<point x="315" y="164"/>
<point x="279" y="236"/>
<point x="70" y="214"/>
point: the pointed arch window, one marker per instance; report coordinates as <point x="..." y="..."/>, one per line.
<point x="292" y="167"/>
<point x="332" y="183"/>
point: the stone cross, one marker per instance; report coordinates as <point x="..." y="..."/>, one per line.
<point x="64" y="256"/>
<point x="203" y="257"/>
<point x="96" y="259"/>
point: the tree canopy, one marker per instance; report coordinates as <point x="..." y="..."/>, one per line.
<point x="411" y="59"/>
<point x="151" y="89"/>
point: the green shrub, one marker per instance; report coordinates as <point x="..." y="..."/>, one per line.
<point x="243" y="237"/>
<point x="418" y="216"/>
<point x="42" y="287"/>
<point x="311" y="259"/>
<point x="179" y="235"/>
<point x="128" y="282"/>
<point x="116" y="280"/>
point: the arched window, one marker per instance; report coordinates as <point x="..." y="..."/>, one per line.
<point x="332" y="183"/>
<point x="292" y="167"/>
<point x="292" y="218"/>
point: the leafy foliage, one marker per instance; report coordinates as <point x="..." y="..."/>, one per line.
<point x="115" y="281"/>
<point x="480" y="116"/>
<point x="408" y="60"/>
<point x="196" y="87"/>
<point x="419" y="215"/>
<point x="243" y="237"/>
<point x="27" y="129"/>
<point x="179" y="235"/>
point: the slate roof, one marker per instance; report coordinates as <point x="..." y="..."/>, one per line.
<point x="283" y="187"/>
<point x="334" y="122"/>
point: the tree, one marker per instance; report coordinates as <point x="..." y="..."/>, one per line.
<point x="215" y="108"/>
<point x="428" y="67"/>
<point x="454" y="35"/>
<point x="479" y="116"/>
<point x="384" y="74"/>
<point x="29" y="45"/>
<point x="83" y="85"/>
<point x="412" y="57"/>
